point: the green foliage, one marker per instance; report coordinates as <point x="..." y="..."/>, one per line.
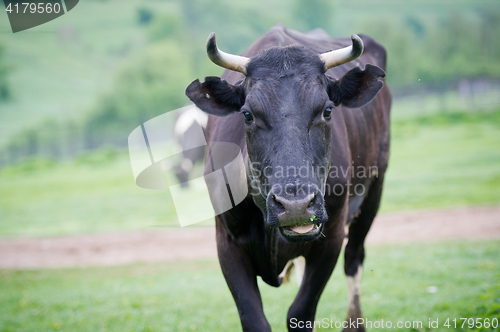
<point x="144" y="15"/>
<point x="50" y="138"/>
<point x="104" y="155"/>
<point x="94" y="193"/>
<point x="442" y="160"/>
<point x="238" y="24"/>
<point x="445" y="119"/>
<point x="166" y="26"/>
<point x="23" y="144"/>
<point x="5" y="92"/>
<point x="29" y="166"/>
<point x="490" y="309"/>
<point x="149" y="86"/>
<point x="60" y="74"/>
<point x="426" y="42"/>
<point x="456" y="45"/>
<point x="438" y="161"/>
<point x="313" y="14"/>
<point x="193" y="296"/>
<point x="43" y="140"/>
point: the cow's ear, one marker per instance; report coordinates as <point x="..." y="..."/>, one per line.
<point x="216" y="96"/>
<point x="357" y="87"/>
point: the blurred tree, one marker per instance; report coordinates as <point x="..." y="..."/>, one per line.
<point x="454" y="46"/>
<point x="401" y="50"/>
<point x="13" y="151"/>
<point x="144" y="15"/>
<point x="3" y="158"/>
<point x="148" y="87"/>
<point x="166" y="26"/>
<point x="416" y="26"/>
<point x="72" y="138"/>
<point x="31" y="139"/>
<point x="490" y="32"/>
<point x="234" y="23"/>
<point x="5" y="92"/>
<point x="454" y="49"/>
<point x="50" y="137"/>
<point x="23" y="144"/>
<point x="454" y="42"/>
<point x="313" y="14"/>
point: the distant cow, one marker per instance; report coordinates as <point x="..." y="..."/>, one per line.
<point x="185" y="130"/>
<point x="313" y="125"/>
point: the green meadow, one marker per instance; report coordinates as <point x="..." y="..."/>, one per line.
<point x="79" y="84"/>
<point x="437" y="161"/>
<point x="192" y="296"/>
<point x="96" y="193"/>
<point x="444" y="160"/>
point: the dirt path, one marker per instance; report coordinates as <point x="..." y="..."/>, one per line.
<point x="196" y="243"/>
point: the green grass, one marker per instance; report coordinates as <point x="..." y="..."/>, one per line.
<point x="79" y="197"/>
<point x="184" y="296"/>
<point x="57" y="76"/>
<point x="444" y="160"/>
<point x="438" y="161"/>
<point x="60" y="77"/>
<point x="415" y="106"/>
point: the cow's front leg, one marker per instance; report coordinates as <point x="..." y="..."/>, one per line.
<point x="319" y="267"/>
<point x="242" y="281"/>
<point x="355" y="254"/>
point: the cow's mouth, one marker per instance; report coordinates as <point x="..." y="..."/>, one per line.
<point x="301" y="232"/>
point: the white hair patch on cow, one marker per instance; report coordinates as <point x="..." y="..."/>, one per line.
<point x="354" y="287"/>
<point x="187" y="164"/>
<point x="286" y="271"/>
<point x="298" y="265"/>
<point x="188" y="117"/>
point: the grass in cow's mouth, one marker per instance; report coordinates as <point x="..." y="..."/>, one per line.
<point x="322" y="234"/>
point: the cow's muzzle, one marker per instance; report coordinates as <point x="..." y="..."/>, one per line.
<point x="298" y="216"/>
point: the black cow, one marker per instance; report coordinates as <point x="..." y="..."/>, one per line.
<point x="292" y="104"/>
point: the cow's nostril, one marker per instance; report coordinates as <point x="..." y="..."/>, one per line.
<point x="311" y="203"/>
<point x="298" y="210"/>
<point x="280" y="207"/>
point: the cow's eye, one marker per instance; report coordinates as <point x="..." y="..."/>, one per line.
<point x="327" y="113"/>
<point x="248" y="116"/>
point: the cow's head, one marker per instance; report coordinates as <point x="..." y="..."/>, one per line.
<point x="288" y="105"/>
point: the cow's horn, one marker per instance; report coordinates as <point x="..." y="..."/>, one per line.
<point x="343" y="55"/>
<point x="225" y="60"/>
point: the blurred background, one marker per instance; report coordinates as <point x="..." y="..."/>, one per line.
<point x="73" y="89"/>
